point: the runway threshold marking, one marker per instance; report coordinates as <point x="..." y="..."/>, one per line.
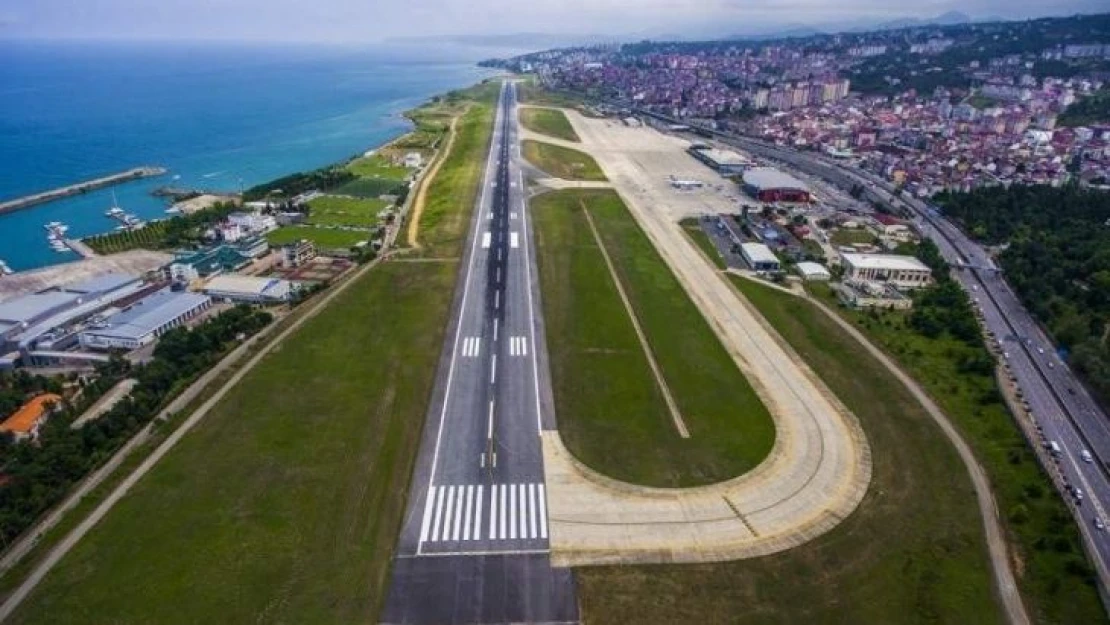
<point x="518" y="346"/>
<point x="514" y="240"/>
<point x="472" y="346"/>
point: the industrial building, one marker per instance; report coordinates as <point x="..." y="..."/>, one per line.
<point x="45" y="320"/>
<point x="759" y="257"/>
<point x="249" y="289"/>
<point x="768" y="184"/>
<point x="724" y="162"/>
<point x="904" y="272"/>
<point x="145" y="320"/>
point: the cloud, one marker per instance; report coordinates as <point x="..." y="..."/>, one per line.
<point x="362" y="20"/>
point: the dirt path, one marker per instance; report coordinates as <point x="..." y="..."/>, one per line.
<point x="996" y="542"/>
<point x="672" y="406"/>
<point x="66" y="544"/>
<point x="426" y="181"/>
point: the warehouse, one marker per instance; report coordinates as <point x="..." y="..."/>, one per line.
<point x="145" y="320"/>
<point x="759" y="257"/>
<point x="904" y="272"/>
<point x="724" y="162"/>
<point x="249" y="289"/>
<point x="767" y="184"/>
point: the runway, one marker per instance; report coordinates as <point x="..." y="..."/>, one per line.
<point x="474" y="547"/>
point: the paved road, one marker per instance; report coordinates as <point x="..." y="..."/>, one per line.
<point x="1061" y="407"/>
<point x="474" y="546"/>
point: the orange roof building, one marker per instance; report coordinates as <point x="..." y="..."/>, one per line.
<point x="25" y="421"/>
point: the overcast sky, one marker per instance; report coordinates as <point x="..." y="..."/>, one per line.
<point x="372" y="20"/>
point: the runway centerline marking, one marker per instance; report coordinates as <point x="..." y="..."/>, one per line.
<point x="486" y="238"/>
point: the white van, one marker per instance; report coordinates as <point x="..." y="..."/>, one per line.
<point x="1086" y="456"/>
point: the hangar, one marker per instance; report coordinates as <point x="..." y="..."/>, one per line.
<point x="768" y="184"/>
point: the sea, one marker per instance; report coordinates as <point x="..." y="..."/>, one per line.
<point x="218" y="116"/>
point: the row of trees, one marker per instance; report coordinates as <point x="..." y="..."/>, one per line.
<point x="1057" y="258"/>
<point x="38" y="476"/>
<point x="182" y="231"/>
<point x="295" y="184"/>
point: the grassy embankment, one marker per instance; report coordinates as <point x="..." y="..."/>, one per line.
<point x="692" y="227"/>
<point x="283" y="505"/>
<point x="622" y="427"/>
<point x="562" y="162"/>
<point x="548" y="122"/>
<point x="913" y="552"/>
<point x="1052" y="571"/>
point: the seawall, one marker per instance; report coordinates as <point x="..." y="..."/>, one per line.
<point x="80" y="187"/>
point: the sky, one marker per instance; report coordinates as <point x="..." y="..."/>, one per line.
<point x="366" y="21"/>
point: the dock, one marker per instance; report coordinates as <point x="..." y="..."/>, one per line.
<point x="79" y="188"/>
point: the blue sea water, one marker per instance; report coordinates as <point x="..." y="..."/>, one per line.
<point x="218" y="116"/>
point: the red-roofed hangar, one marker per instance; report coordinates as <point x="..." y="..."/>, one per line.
<point x="767" y="184"/>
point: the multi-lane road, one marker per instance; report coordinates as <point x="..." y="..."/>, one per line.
<point x="1062" y="409"/>
<point x="474" y="546"/>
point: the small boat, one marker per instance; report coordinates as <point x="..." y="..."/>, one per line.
<point x="5" y="270"/>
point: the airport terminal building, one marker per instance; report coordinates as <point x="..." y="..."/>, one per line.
<point x="724" y="162"/>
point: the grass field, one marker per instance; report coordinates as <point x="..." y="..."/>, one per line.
<point x="284" y="504"/>
<point x="324" y="238"/>
<point x="369" y="187"/>
<point x="562" y="162"/>
<point x="912" y="553"/>
<point x="376" y="166"/>
<point x="452" y="193"/>
<point x="330" y="210"/>
<point x="622" y="427"/>
<point x="1055" y="577"/>
<point x="692" y="227"/>
<point x="548" y="122"/>
<point x="844" y="236"/>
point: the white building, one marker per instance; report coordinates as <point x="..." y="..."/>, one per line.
<point x="759" y="257"/>
<point x="145" y="320"/>
<point x="298" y="253"/>
<point x="905" y="272"/>
<point x="413" y="160"/>
<point x="252" y="222"/>
<point x="249" y="289"/>
<point x="811" y="272"/>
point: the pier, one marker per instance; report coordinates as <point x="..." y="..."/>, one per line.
<point x="79" y="188"/>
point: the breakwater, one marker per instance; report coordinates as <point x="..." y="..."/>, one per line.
<point x="79" y="188"/>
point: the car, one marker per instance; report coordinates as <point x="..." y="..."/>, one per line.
<point x="1051" y="366"/>
<point x="1079" y="494"/>
<point x="1099" y="525"/>
<point x="1040" y="350"/>
<point x="1086" y="456"/>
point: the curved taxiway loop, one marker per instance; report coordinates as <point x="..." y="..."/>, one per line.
<point x="820" y="466"/>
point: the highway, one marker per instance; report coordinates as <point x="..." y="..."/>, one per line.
<point x="474" y="546"/>
<point x="1061" y="407"/>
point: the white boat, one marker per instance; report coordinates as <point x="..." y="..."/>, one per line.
<point x="5" y="270"/>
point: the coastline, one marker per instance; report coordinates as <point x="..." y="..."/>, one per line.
<point x="234" y="145"/>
